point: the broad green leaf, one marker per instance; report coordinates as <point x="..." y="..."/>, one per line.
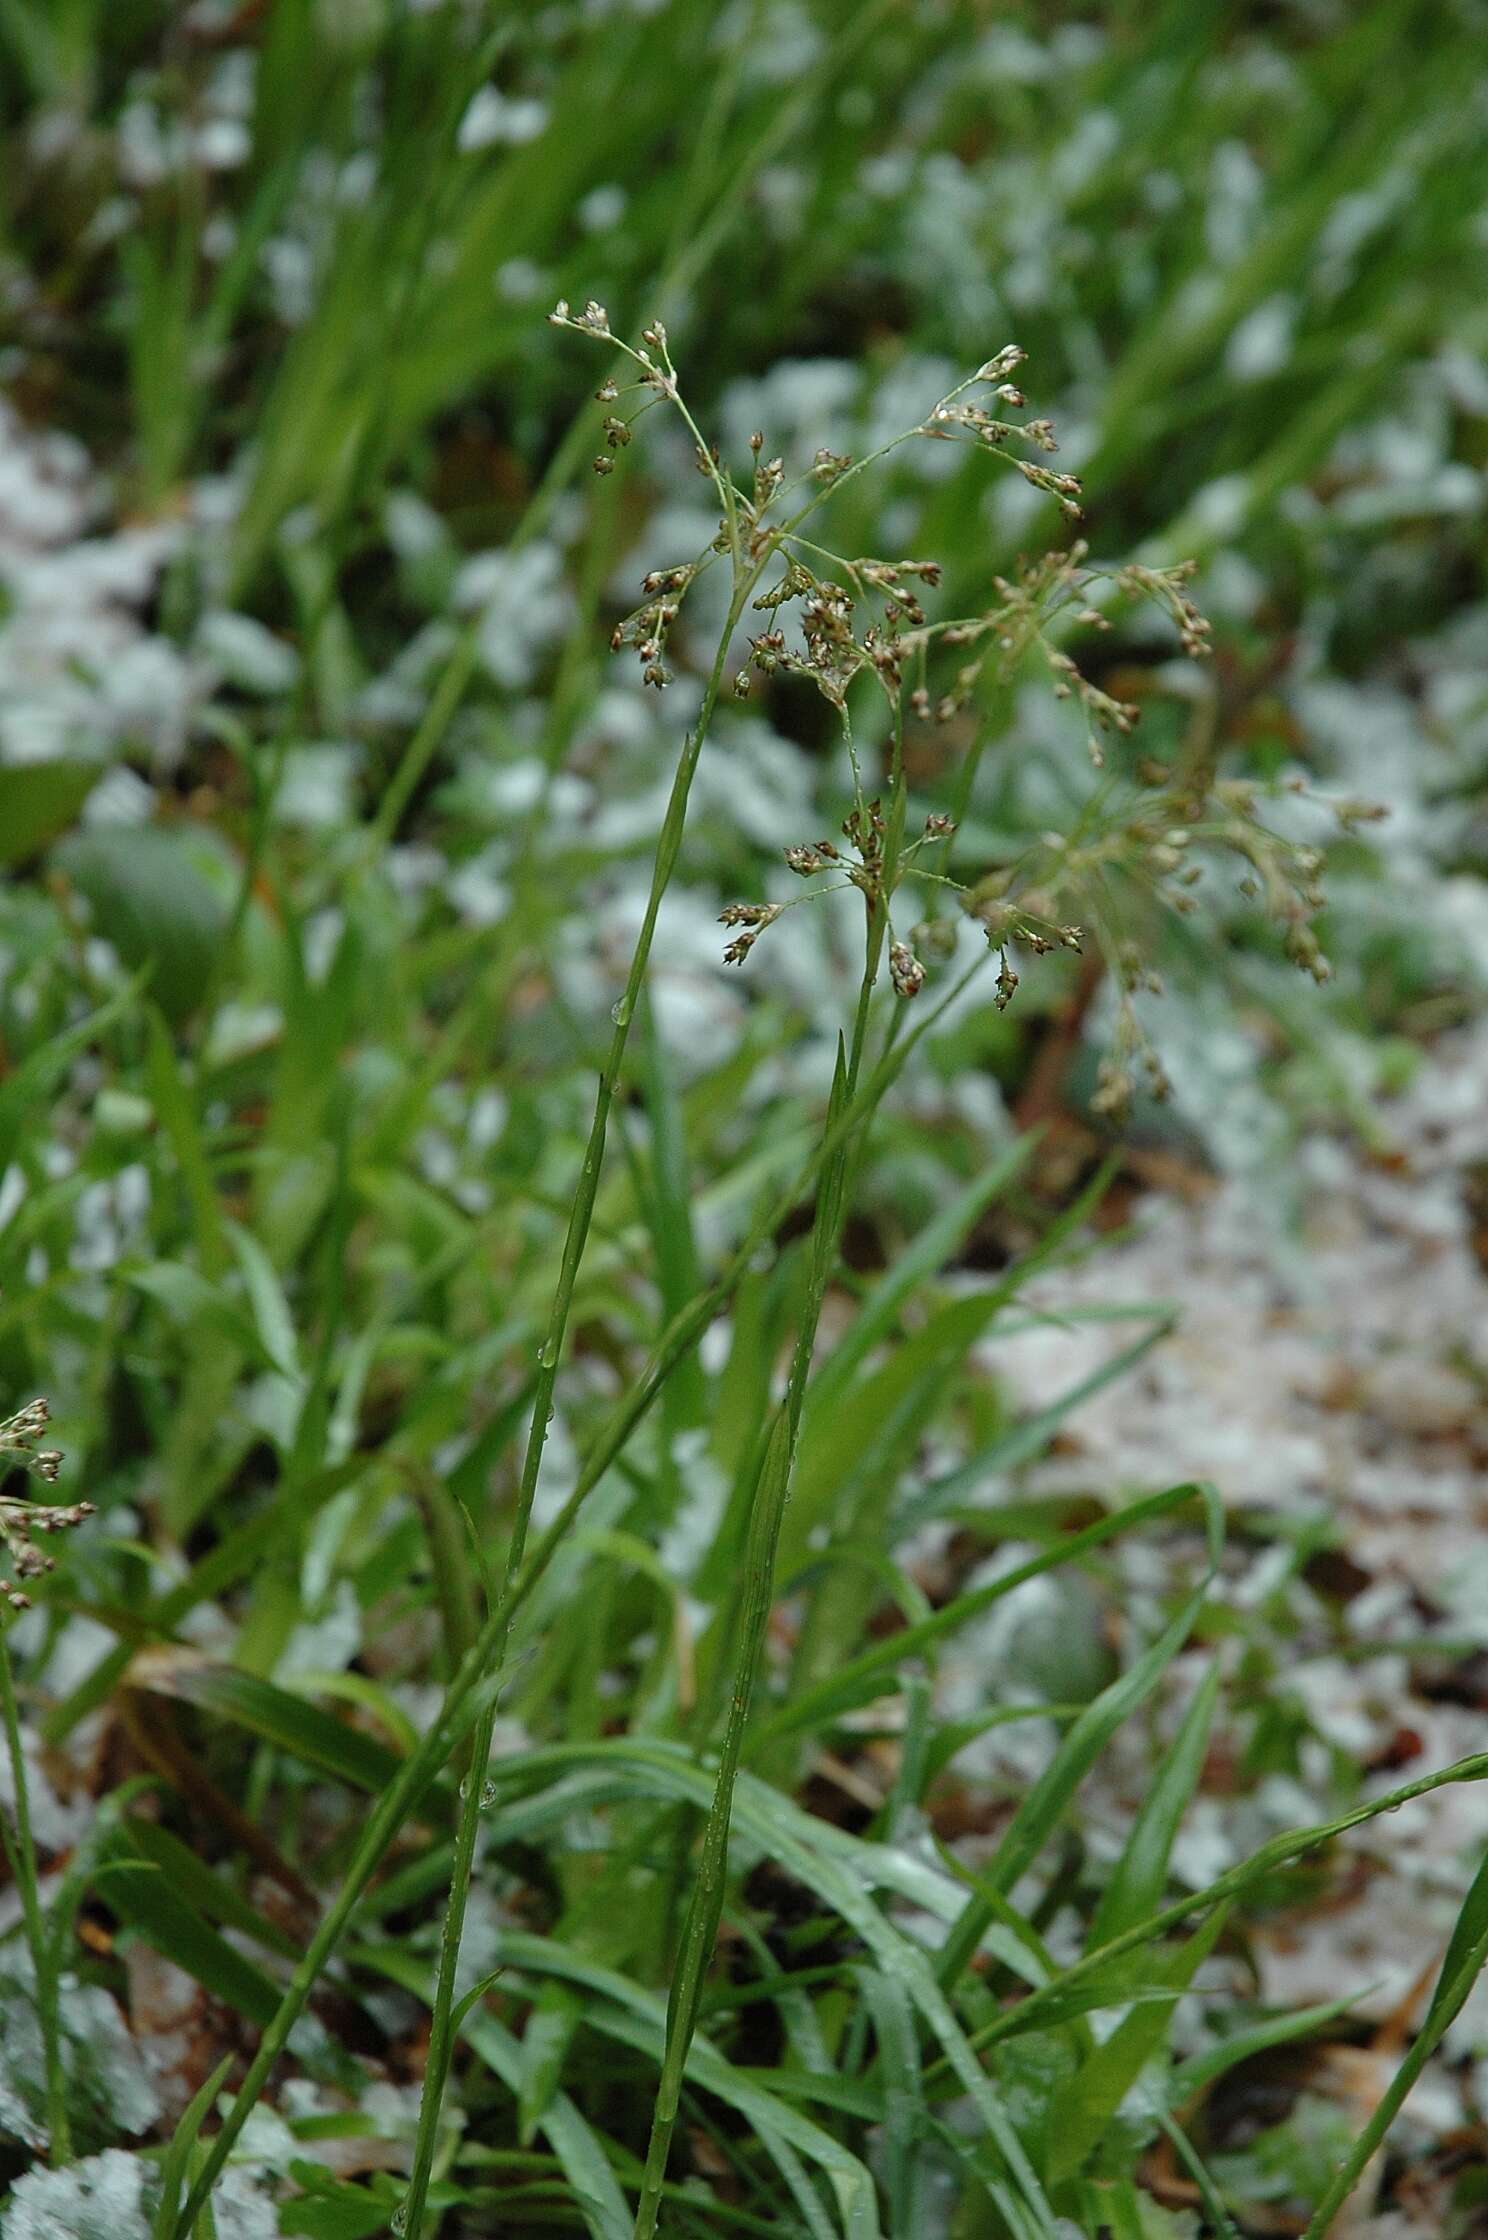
<point x="196" y="1305"/>
<point x="330" y="2208"/>
<point x="554" y="2019"/>
<point x="271" y="1314"/>
<point x="176" y="1110"/>
<point x="164" y="1919"/>
<point x="41" y="1069"/>
<point x="192" y="1880"/>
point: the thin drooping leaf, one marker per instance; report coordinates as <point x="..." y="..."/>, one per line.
<point x="922" y="1259"/>
<point x="175" y="1108"/>
<point x="1278" y="1850"/>
<point x="842" y="1872"/>
<point x="41" y="1069"/>
<point x="213" y="1897"/>
<point x="1025" y="1439"/>
<point x="272" y="1317"/>
<point x="596" y="2189"/>
<point x="623" y="2009"/>
<point x="315" y="1737"/>
<point x="898" y="2067"/>
<point x="146" y="1901"/>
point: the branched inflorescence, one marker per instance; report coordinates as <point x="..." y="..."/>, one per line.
<point x="20" y="1519"/>
<point x="829" y="619"/>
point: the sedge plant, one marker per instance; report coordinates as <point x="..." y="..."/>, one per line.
<point x="847" y="624"/>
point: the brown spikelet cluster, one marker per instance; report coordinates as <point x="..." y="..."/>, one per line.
<point x="20" y="1519"/>
<point x="830" y="619"/>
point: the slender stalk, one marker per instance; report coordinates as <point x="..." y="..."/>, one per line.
<point x="441" y="2035"/>
<point x="767" y="1514"/>
<point x="705" y="1907"/>
<point x="683" y="1333"/>
<point x="466" y="1703"/>
<point x="21" y="1853"/>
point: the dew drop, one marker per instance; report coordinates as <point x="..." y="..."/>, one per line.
<point x="489" y="1794"/>
<point x="398" y="2222"/>
<point x="547" y="1353"/>
<point x="620" y="1013"/>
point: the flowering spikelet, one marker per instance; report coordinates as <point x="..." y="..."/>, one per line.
<point x="19" y="1519"/>
<point x="754" y="917"/>
<point x="905" y="970"/>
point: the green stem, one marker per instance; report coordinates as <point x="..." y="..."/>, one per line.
<point x="766" y="1516"/>
<point x="683" y="1333"/>
<point x="22" y="1858"/>
<point x="441" y="2034"/>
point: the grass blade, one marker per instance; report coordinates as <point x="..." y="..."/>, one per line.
<point x="1142" y="1870"/>
<point x="178" y="2153"/>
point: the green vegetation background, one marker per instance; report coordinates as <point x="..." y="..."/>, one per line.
<point x="328" y="815"/>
